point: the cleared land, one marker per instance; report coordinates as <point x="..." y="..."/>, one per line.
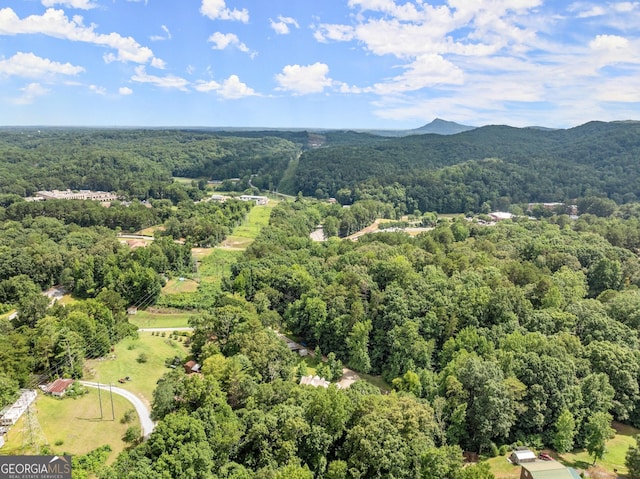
<point x="74" y="426"/>
<point x="144" y="375"/>
<point x="178" y="285"/>
<point x="244" y="234"/>
<point x="217" y="265"/>
<point x="613" y="459"/>
<point x="157" y="318"/>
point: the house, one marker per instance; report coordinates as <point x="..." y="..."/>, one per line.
<point x="547" y="470"/>
<point x="522" y="455"/>
<point x="500" y="215"/>
<point x="314" y="381"/>
<point x="191" y="367"/>
<point x="132" y="310"/>
<point x="58" y="387"/>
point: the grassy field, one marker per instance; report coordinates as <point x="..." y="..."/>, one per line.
<point x="217" y="265"/>
<point x="146" y="319"/>
<point x="143" y="375"/>
<point x="244" y="234"/>
<point x="613" y="459"/>
<point x="177" y="285"/>
<point x="74" y="426"/>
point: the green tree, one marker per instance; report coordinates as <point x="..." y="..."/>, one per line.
<point x="565" y="431"/>
<point x="598" y="431"/>
<point x="632" y="460"/>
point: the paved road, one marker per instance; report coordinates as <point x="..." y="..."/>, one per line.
<point x="146" y="423"/>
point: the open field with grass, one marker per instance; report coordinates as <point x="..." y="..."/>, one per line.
<point x="161" y="319"/>
<point x="244" y="234"/>
<point x="581" y="461"/>
<point x="613" y="458"/>
<point x="217" y="265"/>
<point x="144" y="375"/>
<point x="74" y="426"/>
<point x="180" y="285"/>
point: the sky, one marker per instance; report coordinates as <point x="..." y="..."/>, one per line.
<point x="377" y="64"/>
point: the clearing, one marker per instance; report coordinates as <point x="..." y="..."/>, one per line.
<point x="144" y="375"/>
<point x="73" y="425"/>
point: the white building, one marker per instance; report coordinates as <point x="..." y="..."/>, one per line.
<point x="314" y="381"/>
<point x="10" y="414"/>
<point x="260" y="200"/>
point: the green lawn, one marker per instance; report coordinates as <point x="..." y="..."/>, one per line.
<point x="503" y="469"/>
<point x="144" y="376"/>
<point x="146" y="319"/>
<point x="217" y="265"/>
<point x="257" y="219"/>
<point x="180" y="285"/>
<point x="613" y="458"/>
<point x="580" y="460"/>
<point x="73" y="425"/>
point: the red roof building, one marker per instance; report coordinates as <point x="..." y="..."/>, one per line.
<point x="58" y="387"/>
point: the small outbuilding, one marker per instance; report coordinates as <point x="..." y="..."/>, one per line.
<point x="522" y="456"/>
<point x="547" y="470"/>
<point x="58" y="387"/>
<point x="191" y="367"/>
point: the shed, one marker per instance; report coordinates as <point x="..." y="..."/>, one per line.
<point x="191" y="367"/>
<point x="58" y="387"/>
<point x="547" y="470"/>
<point x="521" y="456"/>
<point x="132" y="310"/>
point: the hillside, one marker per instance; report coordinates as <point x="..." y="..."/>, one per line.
<point x="500" y="165"/>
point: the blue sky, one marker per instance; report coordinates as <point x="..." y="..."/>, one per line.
<point x="324" y="64"/>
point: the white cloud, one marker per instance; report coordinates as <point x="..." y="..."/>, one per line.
<point x="166" y="36"/>
<point x="281" y="27"/>
<point x="206" y="86"/>
<point x="217" y="10"/>
<point x="168" y="81"/>
<point x="230" y="89"/>
<point x="30" y="93"/>
<point x="54" y="23"/>
<point x="302" y="80"/>
<point x="80" y="4"/>
<point x="587" y="9"/>
<point x="158" y="63"/>
<point x="625" y="7"/>
<point x="223" y="40"/>
<point x="427" y="70"/>
<point x="28" y="65"/>
<point x="98" y="89"/>
<point x="125" y="90"/>
<point x="609" y="43"/>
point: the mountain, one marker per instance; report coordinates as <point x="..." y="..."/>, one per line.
<point x="441" y="127"/>
<point x="496" y="164"/>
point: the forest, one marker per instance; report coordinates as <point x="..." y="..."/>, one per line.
<point x="525" y="332"/>
<point x="488" y="168"/>
<point x="486" y="336"/>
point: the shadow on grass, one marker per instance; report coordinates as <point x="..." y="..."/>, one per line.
<point x="94" y="419"/>
<point x="576" y="464"/>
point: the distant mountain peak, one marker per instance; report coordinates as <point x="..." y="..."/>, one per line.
<point x="441" y="127"/>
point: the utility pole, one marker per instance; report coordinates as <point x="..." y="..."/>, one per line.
<point x="70" y="357"/>
<point x="113" y="414"/>
<point x="100" y="399"/>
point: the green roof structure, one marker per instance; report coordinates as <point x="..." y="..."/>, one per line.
<point x="547" y="470"/>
